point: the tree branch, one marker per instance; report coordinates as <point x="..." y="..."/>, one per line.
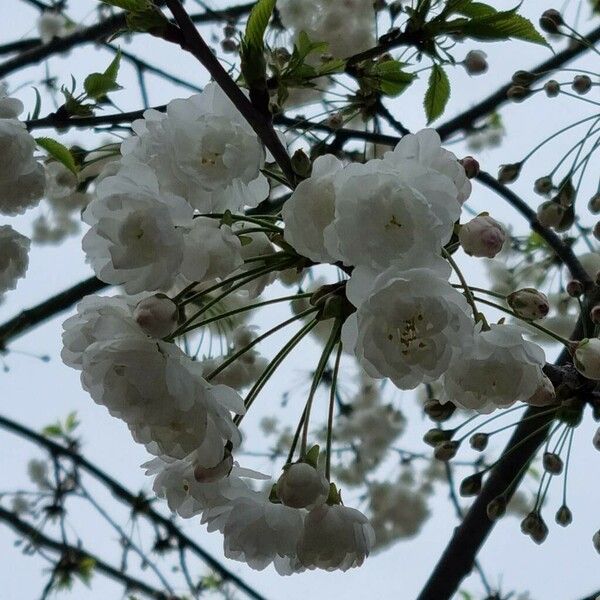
<point x="136" y="502"/>
<point x="40" y="540"/>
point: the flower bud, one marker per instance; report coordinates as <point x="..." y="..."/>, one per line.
<point x="475" y="63"/>
<point x="539" y="531"/>
<point x="596" y="230"/>
<point x="446" y="451"/>
<point x="529" y="523"/>
<point x="509" y="173"/>
<point x="552" y="463"/>
<point x="302" y="486"/>
<point x="529" y="303"/>
<point x="551" y="20"/>
<point x="496" y="508"/>
<point x="552" y="88"/>
<point x="564" y="516"/>
<point x="582" y="84"/>
<point x="437" y="411"/>
<point x="523" y="78"/>
<point x="156" y="315"/>
<point x="595" y="314"/>
<point x="482" y="237"/>
<point x="517" y="93"/>
<point x="575" y="288"/>
<point x="596" y="439"/>
<point x="550" y="213"/>
<point x="587" y="358"/>
<point x="596" y="541"/>
<point x="434" y="436"/>
<point x="479" y="441"/>
<point x="229" y="45"/>
<point x="594" y="204"/>
<point x="470" y="165"/>
<point x="543" y="185"/>
<point x="335" y="121"/>
<point x="229" y="30"/>
<point x="301" y="163"/>
<point x="471" y="485"/>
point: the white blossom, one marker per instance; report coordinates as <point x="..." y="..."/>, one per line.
<point x="258" y="531"/>
<point x="134" y="239"/>
<point x="501" y="368"/>
<point x="156" y="315"/>
<point x="587" y="358"/>
<point x="335" y="537"/>
<point x="409" y="327"/>
<point x="52" y="25"/>
<point x="482" y="236"/>
<point x="22" y="178"/>
<point x="203" y="150"/>
<point x="14" y="257"/>
<point x="311" y="208"/>
<point x="10" y="108"/>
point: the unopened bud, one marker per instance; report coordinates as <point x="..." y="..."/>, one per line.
<point x="582" y="84"/>
<point x="482" y="237"/>
<point x="552" y="463"/>
<point x="529" y="303"/>
<point x="529" y="523"/>
<point x="437" y="411"/>
<point x="335" y="121"/>
<point x="475" y="62"/>
<point x="229" y="30"/>
<point x="229" y="45"/>
<point x="550" y="213"/>
<point x="517" y="93"/>
<point x="471" y="486"/>
<point x="496" y="508"/>
<point x="564" y="516"/>
<point x="596" y="439"/>
<point x="575" y="288"/>
<point x="470" y="165"/>
<point x="543" y="185"/>
<point x="539" y="532"/>
<point x="479" y="441"/>
<point x="596" y="541"/>
<point x="156" y="315"/>
<point x="594" y="204"/>
<point x="524" y="78"/>
<point x="595" y="314"/>
<point x="586" y="358"/>
<point x="301" y="163"/>
<point x="446" y="451"/>
<point x="551" y="20"/>
<point x="552" y="88"/>
<point x="509" y="173"/>
<point x="435" y="436"/>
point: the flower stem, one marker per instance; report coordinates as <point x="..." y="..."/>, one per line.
<point x="336" y="368"/>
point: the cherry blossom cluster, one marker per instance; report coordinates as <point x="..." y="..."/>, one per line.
<point x="169" y="223"/>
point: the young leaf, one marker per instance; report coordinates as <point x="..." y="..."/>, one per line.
<point x="476" y="9"/>
<point x="257" y="23"/>
<point x="392" y="79"/>
<point x="502" y="26"/>
<point x="97" y="85"/>
<point x="438" y="93"/>
<point x="57" y="151"/>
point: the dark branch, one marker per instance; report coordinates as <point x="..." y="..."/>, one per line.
<point x="40" y="540"/>
<point x="134" y="501"/>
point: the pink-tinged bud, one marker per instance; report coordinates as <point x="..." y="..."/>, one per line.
<point x="229" y="45"/>
<point x="551" y="20"/>
<point x="479" y="441"/>
<point x="524" y="78"/>
<point x="475" y="63"/>
<point x="509" y="173"/>
<point x="552" y="463"/>
<point x="471" y="485"/>
<point x="543" y="185"/>
<point x="595" y="315"/>
<point x="552" y="88"/>
<point x="496" y="508"/>
<point x="470" y="165"/>
<point x="582" y="84"/>
<point x="550" y="214"/>
<point x="586" y="358"/>
<point x="529" y="303"/>
<point x="482" y="237"/>
<point x="564" y="516"/>
<point x="156" y="315"/>
<point x="575" y="288"/>
<point x="446" y="451"/>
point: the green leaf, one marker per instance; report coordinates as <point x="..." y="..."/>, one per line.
<point x="502" y="26"/>
<point x="71" y="422"/>
<point x="438" y="93"/>
<point x="476" y="9"/>
<point x="57" y="151"/>
<point x="257" y="23"/>
<point x="97" y="85"/>
<point x="52" y="430"/>
<point x="392" y="79"/>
